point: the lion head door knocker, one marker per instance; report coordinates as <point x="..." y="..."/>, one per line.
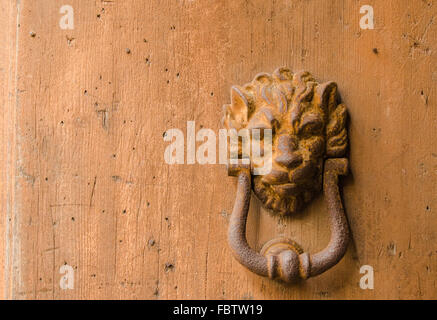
<point x="309" y="141"/>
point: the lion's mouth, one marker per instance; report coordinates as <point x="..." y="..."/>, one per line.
<point x="286" y="189"/>
<point x="286" y="184"/>
<point x="276" y="177"/>
<point x="279" y="181"/>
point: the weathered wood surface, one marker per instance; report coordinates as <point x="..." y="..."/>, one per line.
<point x="84" y="180"/>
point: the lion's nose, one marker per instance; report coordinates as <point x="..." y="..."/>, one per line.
<point x="288" y="157"/>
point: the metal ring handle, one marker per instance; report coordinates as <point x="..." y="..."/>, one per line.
<point x="282" y="258"/>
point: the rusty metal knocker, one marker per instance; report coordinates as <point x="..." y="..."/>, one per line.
<point x="308" y="148"/>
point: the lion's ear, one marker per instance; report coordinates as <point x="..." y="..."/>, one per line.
<point x="336" y="132"/>
<point x="326" y="94"/>
<point x="239" y="105"/>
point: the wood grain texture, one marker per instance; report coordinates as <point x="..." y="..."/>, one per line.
<point x="84" y="181"/>
<point x="8" y="101"/>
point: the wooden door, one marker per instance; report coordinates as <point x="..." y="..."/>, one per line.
<point x="85" y="184"/>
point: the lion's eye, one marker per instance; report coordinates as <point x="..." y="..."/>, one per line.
<point x="311" y="124"/>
